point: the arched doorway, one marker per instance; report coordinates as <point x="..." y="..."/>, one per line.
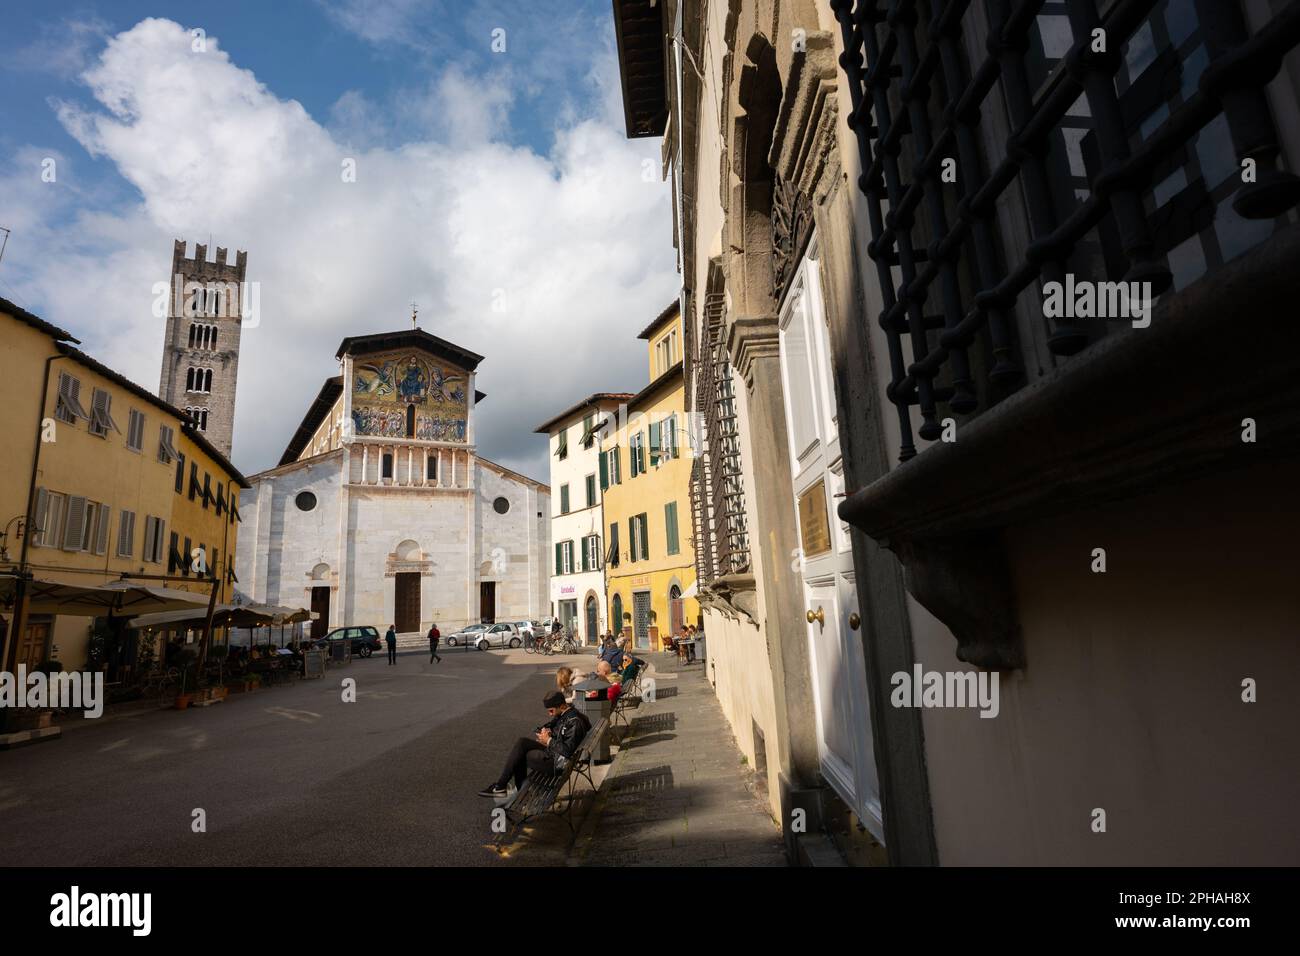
<point x="676" y="618"/>
<point x="593" y="620"/>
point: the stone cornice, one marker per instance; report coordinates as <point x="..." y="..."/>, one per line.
<point x="750" y="338"/>
<point x="804" y="142"/>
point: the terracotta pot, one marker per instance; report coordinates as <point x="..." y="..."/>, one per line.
<point x="182" y="701"/>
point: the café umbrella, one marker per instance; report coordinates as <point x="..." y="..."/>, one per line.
<point x="81" y="600"/>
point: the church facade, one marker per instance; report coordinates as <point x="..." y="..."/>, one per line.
<point x="381" y="511"/>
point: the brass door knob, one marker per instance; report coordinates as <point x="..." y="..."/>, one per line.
<point x="854" y="621"/>
<point x="818" y="615"/>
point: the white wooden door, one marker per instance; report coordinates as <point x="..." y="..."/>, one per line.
<point x="825" y="557"/>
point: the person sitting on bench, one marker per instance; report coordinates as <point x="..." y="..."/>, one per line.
<point x="550" y="749"/>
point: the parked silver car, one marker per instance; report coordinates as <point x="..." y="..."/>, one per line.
<point x="503" y="635"/>
<point x="467" y="635"/>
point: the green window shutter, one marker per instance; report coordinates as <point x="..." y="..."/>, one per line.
<point x="654" y="443"/>
<point x="631" y="539"/>
<point x="645" y="539"/>
<point x="604" y="471"/>
<point x="564" y="499"/>
<point x="670" y="526"/>
<point x="559" y="565"/>
<point x="640" y="452"/>
<point x="670" y="444"/>
<point x="618" y="467"/>
<point x="586" y="561"/>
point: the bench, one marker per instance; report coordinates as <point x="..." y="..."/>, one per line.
<point x="541" y="790"/>
<point x="631" y="689"/>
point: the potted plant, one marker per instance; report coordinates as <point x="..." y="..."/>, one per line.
<point x="188" y="680"/>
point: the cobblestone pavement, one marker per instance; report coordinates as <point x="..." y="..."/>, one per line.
<point x="677" y="792"/>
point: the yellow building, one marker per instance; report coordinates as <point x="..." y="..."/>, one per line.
<point x="645" y="470"/>
<point x="115" y="481"/>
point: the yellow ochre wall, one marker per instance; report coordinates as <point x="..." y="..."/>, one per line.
<point x="102" y="469"/>
<point x="648" y="493"/>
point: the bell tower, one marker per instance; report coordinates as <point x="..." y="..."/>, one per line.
<point x="200" y="361"/>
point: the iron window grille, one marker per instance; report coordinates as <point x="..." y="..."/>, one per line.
<point x="1124" y="158"/>
<point x="718" y="493"/>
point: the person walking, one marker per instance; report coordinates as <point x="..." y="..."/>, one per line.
<point x="391" y="638"/>
<point x="434" y="637"/>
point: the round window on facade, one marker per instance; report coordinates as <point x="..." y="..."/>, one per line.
<point x="305" y="501"/>
<point x="501" y="506"/>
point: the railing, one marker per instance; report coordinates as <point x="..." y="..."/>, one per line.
<point x="1122" y="164"/>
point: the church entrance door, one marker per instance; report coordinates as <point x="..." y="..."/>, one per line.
<point x="406" y="601"/>
<point x="320" y="603"/>
<point x="487" y="601"/>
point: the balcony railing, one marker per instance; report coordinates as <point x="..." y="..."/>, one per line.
<point x="1128" y="134"/>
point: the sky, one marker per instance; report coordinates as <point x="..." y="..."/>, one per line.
<point x="493" y="187"/>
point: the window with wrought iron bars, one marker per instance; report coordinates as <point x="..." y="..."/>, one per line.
<point x="1127" y="157"/>
<point x="718" y="495"/>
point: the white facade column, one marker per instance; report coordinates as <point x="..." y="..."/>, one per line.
<point x="365" y="460"/>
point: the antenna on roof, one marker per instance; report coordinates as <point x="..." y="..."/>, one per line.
<point x="415" y="311"/>
<point x="4" y="243"/>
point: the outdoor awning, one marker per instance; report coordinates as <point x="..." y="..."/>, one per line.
<point x="83" y="600"/>
<point x="692" y="591"/>
<point x="226" y="615"/>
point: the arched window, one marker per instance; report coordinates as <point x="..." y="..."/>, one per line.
<point x="189" y="379"/>
<point x="616" y="614"/>
<point x="191" y="335"/>
<point x="203" y="419"/>
<point x="410" y="421"/>
<point x="212" y="342"/>
<point x="207" y="380"/>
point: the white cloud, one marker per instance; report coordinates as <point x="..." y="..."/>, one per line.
<point x="579" y="243"/>
<point x="61" y="48"/>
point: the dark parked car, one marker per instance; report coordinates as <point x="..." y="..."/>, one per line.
<point x="365" y="640"/>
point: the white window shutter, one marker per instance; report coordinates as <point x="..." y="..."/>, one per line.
<point x="104" y="512"/>
<point x="41" y="513"/>
<point x="75" y="527"/>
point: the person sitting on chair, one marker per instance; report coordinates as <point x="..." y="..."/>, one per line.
<point x="606" y="673"/>
<point x="550" y="750"/>
<point x="611" y="653"/>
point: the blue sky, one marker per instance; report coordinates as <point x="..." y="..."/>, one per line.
<point x="483" y="176"/>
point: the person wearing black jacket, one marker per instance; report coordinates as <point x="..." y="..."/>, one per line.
<point x="551" y="748"/>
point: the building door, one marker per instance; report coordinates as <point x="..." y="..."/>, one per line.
<point x="616" y="615"/>
<point x="487" y="602"/>
<point x="593" y="621"/>
<point x="676" y="614"/>
<point x="31" y="649"/>
<point x="837" y="655"/>
<point x="641" y="620"/>
<point x="320" y="603"/>
<point x="569" y="615"/>
<point x="406" y="601"/>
